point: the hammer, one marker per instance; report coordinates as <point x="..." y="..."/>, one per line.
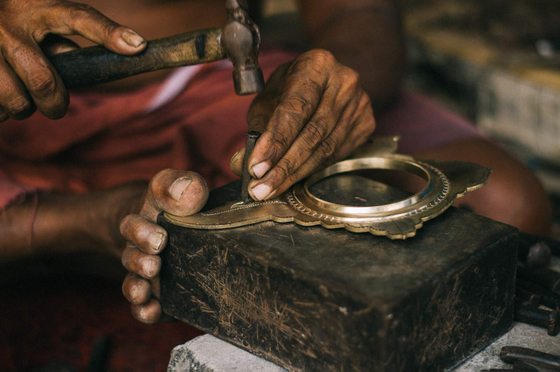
<point x="239" y="40"/>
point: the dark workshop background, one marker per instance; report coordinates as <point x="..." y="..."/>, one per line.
<point x="496" y="62"/>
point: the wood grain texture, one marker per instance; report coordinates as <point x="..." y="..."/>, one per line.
<point x="317" y="299"/>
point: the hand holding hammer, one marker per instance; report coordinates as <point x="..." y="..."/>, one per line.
<point x="239" y="40"/>
<point x="30" y="80"/>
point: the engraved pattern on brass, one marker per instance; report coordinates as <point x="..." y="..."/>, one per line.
<point x="445" y="181"/>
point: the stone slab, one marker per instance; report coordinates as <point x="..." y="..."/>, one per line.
<point x="210" y="354"/>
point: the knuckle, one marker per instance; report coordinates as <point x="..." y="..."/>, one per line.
<point x="321" y="56"/>
<point x="18" y="105"/>
<point x="80" y="10"/>
<point x="126" y="226"/>
<point x="126" y="257"/>
<point x="327" y="150"/>
<point x="365" y="102"/>
<point x="42" y="83"/>
<point x="288" y="117"/>
<point x="295" y="105"/>
<point x="81" y="14"/>
<point x="316" y="131"/>
<point x="286" y="168"/>
<point x="350" y="77"/>
<point x="279" y="145"/>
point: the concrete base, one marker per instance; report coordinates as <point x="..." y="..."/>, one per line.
<point x="210" y="354"/>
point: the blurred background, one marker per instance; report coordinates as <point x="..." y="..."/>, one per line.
<point x="496" y="62"/>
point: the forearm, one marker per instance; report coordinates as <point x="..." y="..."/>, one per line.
<point x="366" y="36"/>
<point x="51" y="223"/>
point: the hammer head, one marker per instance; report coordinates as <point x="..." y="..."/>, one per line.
<point x="241" y="41"/>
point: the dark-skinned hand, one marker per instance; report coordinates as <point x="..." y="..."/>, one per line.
<point x="312" y="112"/>
<point x="30" y="30"/>
<point x="181" y="193"/>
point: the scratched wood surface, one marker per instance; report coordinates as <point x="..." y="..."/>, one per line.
<point x="316" y="299"/>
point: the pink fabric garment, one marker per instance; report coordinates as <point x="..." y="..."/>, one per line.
<point x="109" y="139"/>
<point x="423" y="124"/>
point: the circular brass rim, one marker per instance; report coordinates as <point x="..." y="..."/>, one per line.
<point x="433" y="193"/>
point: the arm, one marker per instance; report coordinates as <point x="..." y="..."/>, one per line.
<point x="365" y="35"/>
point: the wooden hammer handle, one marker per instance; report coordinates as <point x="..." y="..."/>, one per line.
<point x="95" y="65"/>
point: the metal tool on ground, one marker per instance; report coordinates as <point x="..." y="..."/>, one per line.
<point x="239" y="40"/>
<point x="535" y="297"/>
<point x="538" y="360"/>
<point x="550" y="320"/>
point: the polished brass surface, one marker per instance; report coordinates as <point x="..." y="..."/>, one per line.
<point x="445" y="181"/>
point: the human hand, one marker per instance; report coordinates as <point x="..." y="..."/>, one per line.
<point x="31" y="28"/>
<point x="179" y="192"/>
<point x="312" y="112"/>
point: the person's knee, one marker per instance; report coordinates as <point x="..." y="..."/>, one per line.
<point x="513" y="194"/>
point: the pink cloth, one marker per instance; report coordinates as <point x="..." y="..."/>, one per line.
<point x="108" y="139"/>
<point x="423" y="124"/>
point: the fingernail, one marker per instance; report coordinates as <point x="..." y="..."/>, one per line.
<point x="178" y="187"/>
<point x="151" y="268"/>
<point x="236" y="156"/>
<point x="132" y="38"/>
<point x="260" y="169"/>
<point x="260" y="192"/>
<point x="156" y="240"/>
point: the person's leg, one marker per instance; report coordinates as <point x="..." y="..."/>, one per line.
<point x="512" y="195"/>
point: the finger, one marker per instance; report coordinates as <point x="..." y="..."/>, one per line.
<point x="54" y="44"/>
<point x="13" y="99"/>
<point x="339" y="104"/>
<point x="144" y="265"/>
<point x="315" y="161"/>
<point x="236" y="162"/>
<point x="178" y="192"/>
<point x="41" y="80"/>
<point x="363" y="129"/>
<point x="326" y="153"/>
<point x="136" y="290"/>
<point x="315" y="133"/>
<point x="149" y="313"/>
<point x="145" y="235"/>
<point x="81" y="19"/>
<point x="303" y="90"/>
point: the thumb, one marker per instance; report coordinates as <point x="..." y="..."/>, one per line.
<point x="83" y="20"/>
<point x="181" y="193"/>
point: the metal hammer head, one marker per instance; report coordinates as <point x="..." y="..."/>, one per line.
<point x="241" y="41"/>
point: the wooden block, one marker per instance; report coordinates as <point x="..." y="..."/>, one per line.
<point x="317" y="299"/>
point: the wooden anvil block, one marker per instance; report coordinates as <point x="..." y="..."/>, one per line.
<point x="317" y="299"/>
